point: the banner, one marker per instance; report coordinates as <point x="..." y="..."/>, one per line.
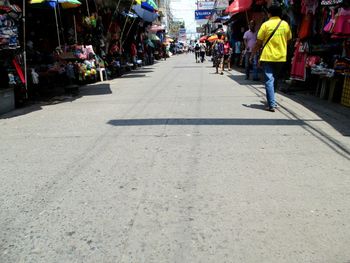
<point x="202" y="14"/>
<point x="205" y="5"/>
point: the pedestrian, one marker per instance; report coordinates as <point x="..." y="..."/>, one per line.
<point x="272" y="39"/>
<point x="202" y="49"/>
<point x="226" y="57"/>
<point x="197" y="52"/>
<point x="164" y="51"/>
<point x="218" y="54"/>
<point x="249" y="39"/>
<point x="237" y="53"/>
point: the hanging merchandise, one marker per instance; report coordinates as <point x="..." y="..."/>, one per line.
<point x="306" y="26"/>
<point x="331" y="2"/>
<point x="298" y="71"/>
<point x="329" y="26"/>
<point x="309" y="6"/>
<point x="9" y="17"/>
<point x="341" y="27"/>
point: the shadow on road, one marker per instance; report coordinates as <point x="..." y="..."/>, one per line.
<point x="334" y="114"/>
<point x="240" y="79"/>
<point x="133" y="75"/>
<point x="92" y="90"/>
<point x="255" y="106"/>
<point x="218" y="122"/>
<point x="60" y="96"/>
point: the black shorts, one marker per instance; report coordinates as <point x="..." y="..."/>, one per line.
<point x="226" y="57"/>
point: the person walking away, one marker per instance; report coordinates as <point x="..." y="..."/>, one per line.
<point x="202" y="48"/>
<point x="197" y="51"/>
<point x="237" y="53"/>
<point x="272" y="38"/>
<point x="164" y="51"/>
<point x="226" y="58"/>
<point x="249" y="39"/>
<point x="218" y="54"/>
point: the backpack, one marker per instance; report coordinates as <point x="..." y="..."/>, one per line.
<point x="197" y="47"/>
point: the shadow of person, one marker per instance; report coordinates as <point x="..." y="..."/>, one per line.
<point x="255" y="106"/>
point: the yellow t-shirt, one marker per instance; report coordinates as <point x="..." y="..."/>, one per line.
<point x="276" y="48"/>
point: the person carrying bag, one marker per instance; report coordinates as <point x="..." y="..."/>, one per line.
<point x="272" y="40"/>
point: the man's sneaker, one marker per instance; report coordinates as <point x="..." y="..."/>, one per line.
<point x="270" y="109"/>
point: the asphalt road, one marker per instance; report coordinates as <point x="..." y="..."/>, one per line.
<point x="173" y="163"/>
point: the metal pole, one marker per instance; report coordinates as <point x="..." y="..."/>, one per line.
<point x="58" y="31"/>
<point x="60" y="21"/>
<point x="75" y="30"/>
<point x="129" y="29"/>
<point x="87" y="8"/>
<point x="246" y="16"/>
<point x="115" y="11"/>
<point x="24" y="48"/>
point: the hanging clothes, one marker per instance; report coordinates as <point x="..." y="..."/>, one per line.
<point x="309" y="6"/>
<point x="305" y="30"/>
<point x="298" y="71"/>
<point x="341" y="27"/>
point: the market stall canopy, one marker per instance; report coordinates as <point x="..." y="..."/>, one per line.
<point x="213" y="38"/>
<point x="145" y="14"/>
<point x="203" y="38"/>
<point x="149" y="5"/>
<point x="239" y="6"/>
<point x="64" y="3"/>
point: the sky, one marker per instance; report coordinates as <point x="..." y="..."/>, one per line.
<point x="185" y="9"/>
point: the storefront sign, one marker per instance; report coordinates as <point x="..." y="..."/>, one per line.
<point x="221" y="4"/>
<point x="202" y="14"/>
<point x="205" y="5"/>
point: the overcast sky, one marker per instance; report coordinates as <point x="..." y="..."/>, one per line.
<point x="185" y="9"/>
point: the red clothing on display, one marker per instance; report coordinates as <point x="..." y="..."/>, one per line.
<point x="299" y="62"/>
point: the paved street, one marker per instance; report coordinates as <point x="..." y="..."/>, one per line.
<point x="172" y="163"/>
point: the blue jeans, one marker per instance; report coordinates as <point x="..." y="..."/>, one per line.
<point x="247" y="65"/>
<point x="271" y="73"/>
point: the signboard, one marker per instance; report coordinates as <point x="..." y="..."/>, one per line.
<point x="202" y="14"/>
<point x="182" y="34"/>
<point x="205" y="5"/>
<point x="221" y="4"/>
<point x="182" y="31"/>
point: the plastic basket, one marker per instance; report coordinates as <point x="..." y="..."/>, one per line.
<point x="345" y="98"/>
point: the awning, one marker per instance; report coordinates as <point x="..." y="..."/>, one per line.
<point x="239" y="6"/>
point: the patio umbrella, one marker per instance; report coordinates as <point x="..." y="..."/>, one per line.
<point x="149" y="5"/>
<point x="213" y="38"/>
<point x="203" y="38"/>
<point x="145" y="14"/>
<point x="64" y="4"/>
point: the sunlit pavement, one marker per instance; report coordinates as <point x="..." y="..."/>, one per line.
<point x="172" y="163"/>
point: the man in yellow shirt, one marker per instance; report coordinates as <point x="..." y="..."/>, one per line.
<point x="274" y="53"/>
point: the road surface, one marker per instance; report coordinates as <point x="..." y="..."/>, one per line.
<point x="173" y="163"/>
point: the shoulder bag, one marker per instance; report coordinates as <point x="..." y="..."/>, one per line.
<point x="267" y="41"/>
